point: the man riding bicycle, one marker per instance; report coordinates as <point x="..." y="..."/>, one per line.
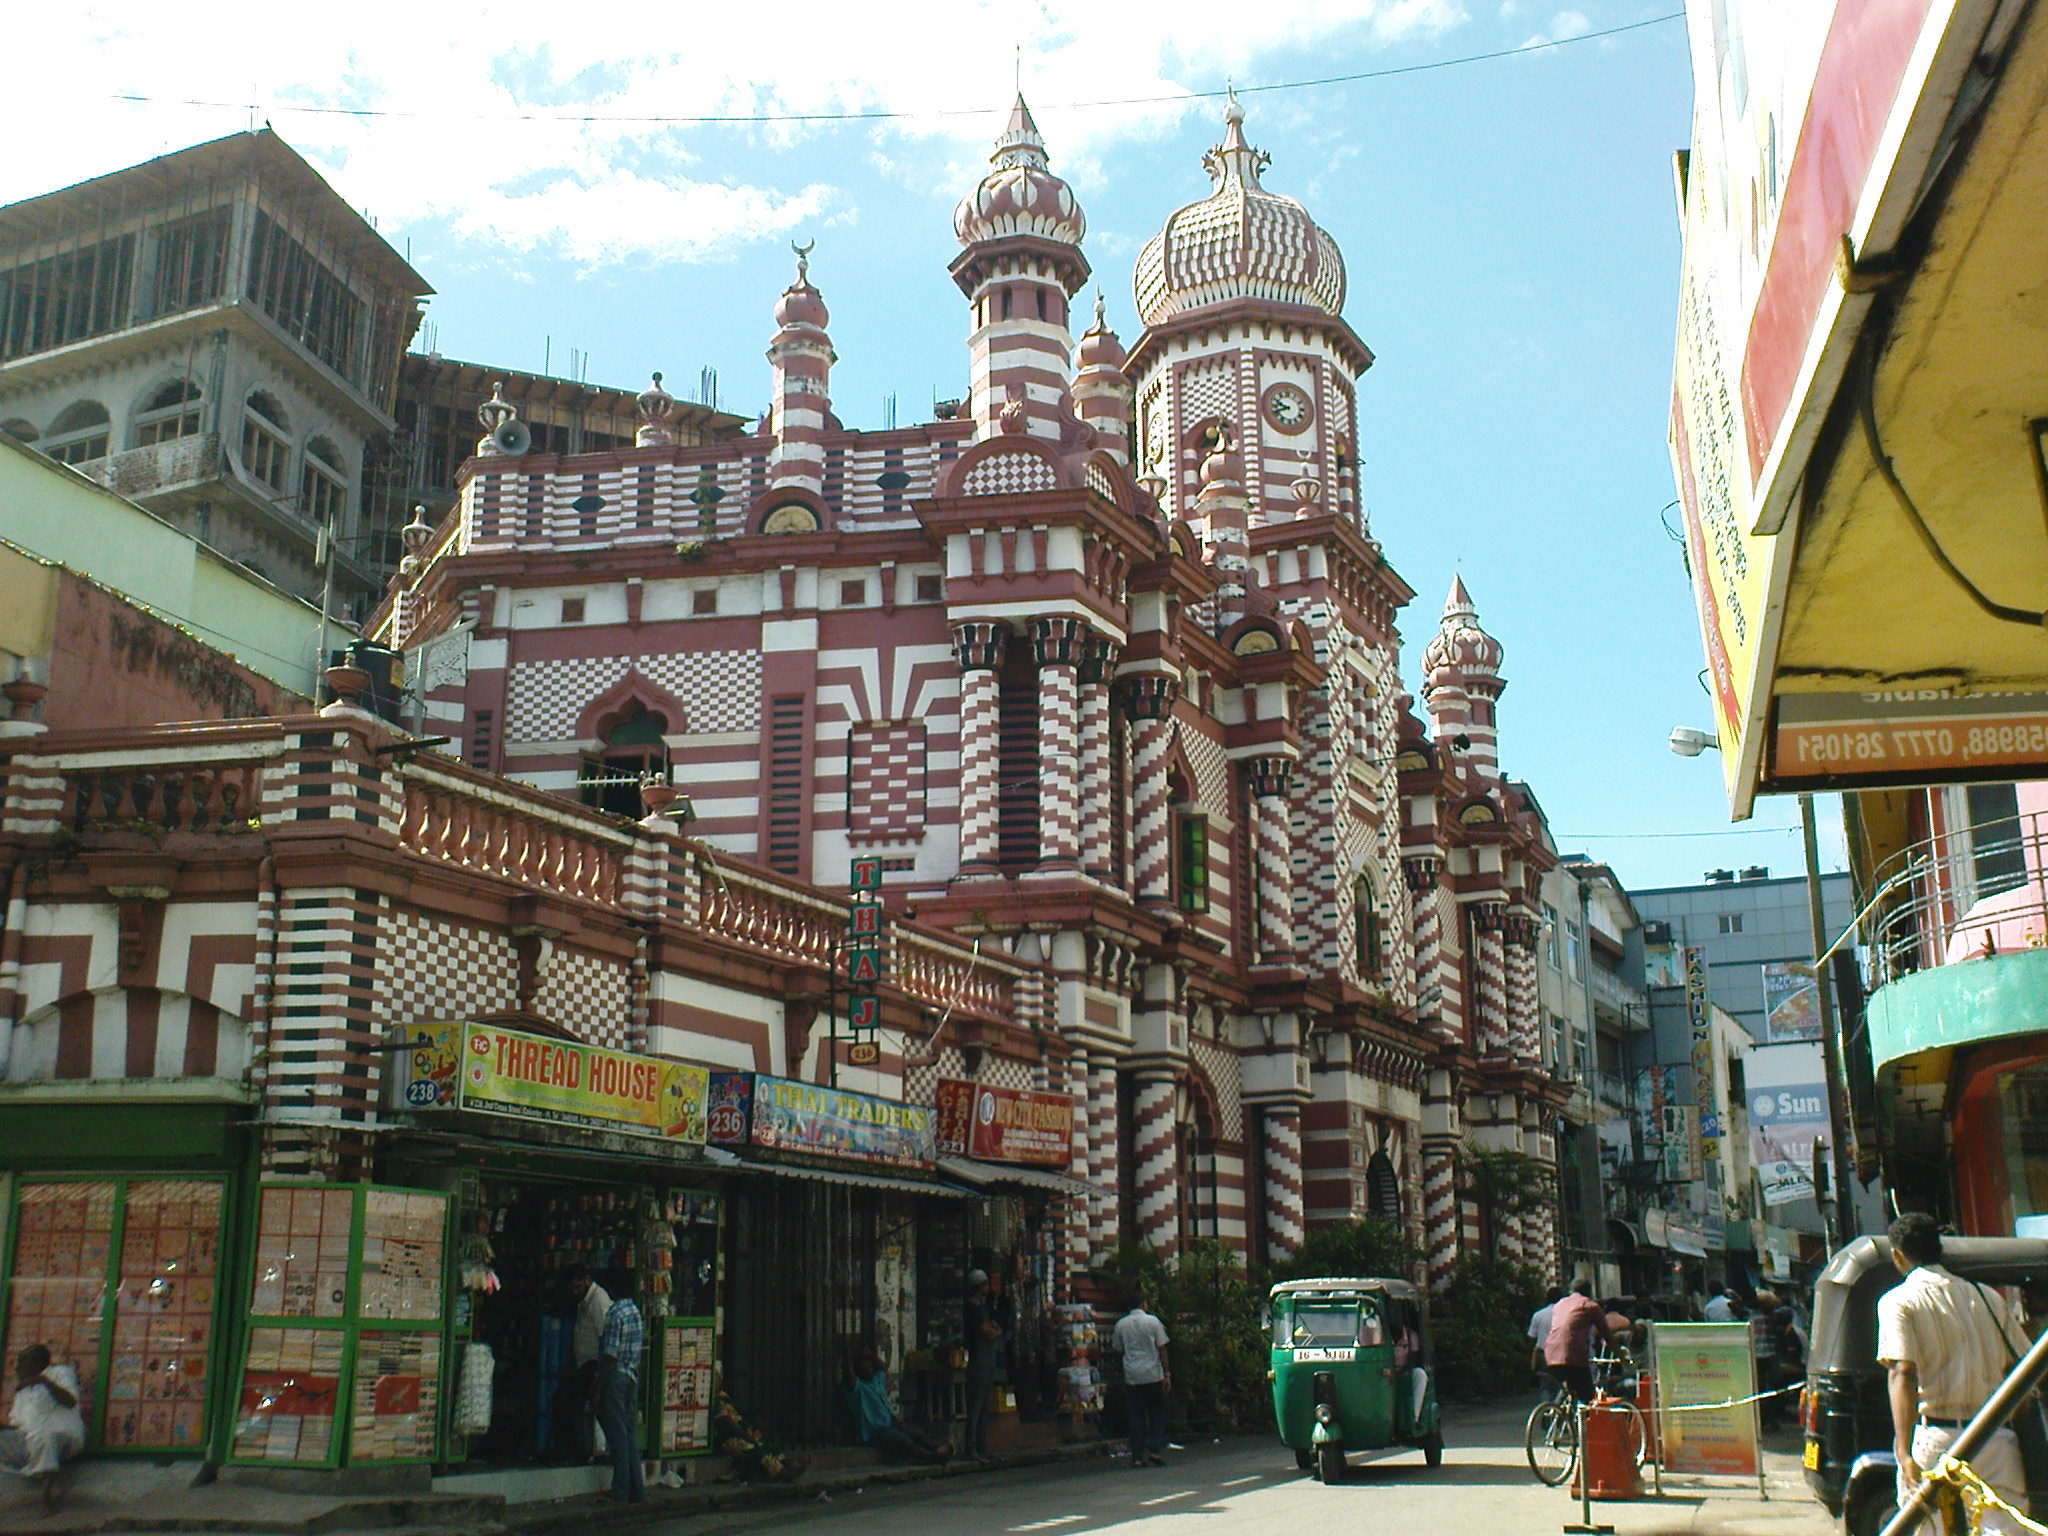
<point x="1568" y="1352"/>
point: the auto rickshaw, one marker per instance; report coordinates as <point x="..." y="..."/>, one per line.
<point x="1352" y="1371"/>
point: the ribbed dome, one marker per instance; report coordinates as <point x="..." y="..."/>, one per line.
<point x="1239" y="242"/>
<point x="1460" y="644"/>
<point x="1020" y="196"/>
<point x="801" y="304"/>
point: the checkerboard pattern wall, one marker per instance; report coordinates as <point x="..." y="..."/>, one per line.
<point x="428" y="970"/>
<point x="885" y="782"/>
<point x="588" y="997"/>
<point x="718" y="690"/>
<point x="1008" y="474"/>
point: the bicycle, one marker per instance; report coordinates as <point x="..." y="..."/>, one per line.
<point x="1551" y="1437"/>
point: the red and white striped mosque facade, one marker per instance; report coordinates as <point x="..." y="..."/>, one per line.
<point x="1103" y="666"/>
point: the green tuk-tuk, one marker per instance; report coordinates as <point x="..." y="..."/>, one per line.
<point x="1352" y="1371"/>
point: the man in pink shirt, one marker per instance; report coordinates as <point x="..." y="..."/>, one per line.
<point x="1568" y="1352"/>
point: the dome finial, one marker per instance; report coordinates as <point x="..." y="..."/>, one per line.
<point x="803" y="260"/>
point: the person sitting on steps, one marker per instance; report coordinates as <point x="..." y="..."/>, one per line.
<point x="874" y="1415"/>
<point x="48" y="1429"/>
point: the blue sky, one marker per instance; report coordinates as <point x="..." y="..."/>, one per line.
<point x="1508" y="228"/>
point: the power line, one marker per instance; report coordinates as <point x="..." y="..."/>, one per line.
<point x="883" y="115"/>
<point x="1595" y="837"/>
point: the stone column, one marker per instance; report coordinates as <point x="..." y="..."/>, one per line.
<point x="1525" y="1029"/>
<point x="1056" y="647"/>
<point x="1098" y="858"/>
<point x="980" y="646"/>
<point x="1440" y="1206"/>
<point x="1489" y="977"/>
<point x="1149" y="699"/>
<point x="1285" y="1219"/>
<point x="1274" y="858"/>
<point x="1081" y="1208"/>
<point x="1105" y="1152"/>
<point x="1424" y="872"/>
<point x="1155" y="1136"/>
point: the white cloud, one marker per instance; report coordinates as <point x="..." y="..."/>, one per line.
<point x="458" y="79"/>
<point x="1562" y="25"/>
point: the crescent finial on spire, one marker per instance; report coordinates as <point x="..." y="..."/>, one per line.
<point x="803" y="258"/>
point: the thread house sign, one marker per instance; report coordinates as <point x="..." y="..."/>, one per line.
<point x="539" y="1077"/>
<point x="1004" y="1125"/>
<point x="777" y="1114"/>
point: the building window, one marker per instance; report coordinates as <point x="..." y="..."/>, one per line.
<point x="633" y="750"/>
<point x="853" y="594"/>
<point x="705" y="600"/>
<point x="1017" y="760"/>
<point x="572" y="610"/>
<point x="1997" y="853"/>
<point x="323" y="493"/>
<point x="1366" y="937"/>
<point x="79" y="433"/>
<point x="1191" y="861"/>
<point x="191" y="262"/>
<point x="931" y="589"/>
<point x="169" y="414"/>
<point x="266" y="441"/>
<point x="62" y="299"/>
<point x="21" y="431"/>
<point x="1731" y="922"/>
<point x="788" y="751"/>
<point x="1550" y="943"/>
<point x="305" y="298"/>
<point x="1573" y="960"/>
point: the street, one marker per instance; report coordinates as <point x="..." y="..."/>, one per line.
<point x="1248" y="1486"/>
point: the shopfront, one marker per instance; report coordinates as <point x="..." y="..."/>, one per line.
<point x="426" y="1318"/>
<point x="842" y="1234"/>
<point x="120" y="1221"/>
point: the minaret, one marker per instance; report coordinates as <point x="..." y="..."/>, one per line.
<point x="802" y="407"/>
<point x="1102" y="390"/>
<point x="1462" y="682"/>
<point x="1020" y="264"/>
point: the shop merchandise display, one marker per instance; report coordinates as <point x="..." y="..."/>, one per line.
<point x="1080" y="1379"/>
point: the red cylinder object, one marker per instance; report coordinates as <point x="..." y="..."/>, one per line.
<point x="1608" y="1457"/>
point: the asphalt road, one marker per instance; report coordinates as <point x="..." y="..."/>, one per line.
<point x="1250" y="1487"/>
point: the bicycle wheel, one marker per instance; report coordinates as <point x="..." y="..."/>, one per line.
<point x="1552" y="1441"/>
<point x="1640" y="1428"/>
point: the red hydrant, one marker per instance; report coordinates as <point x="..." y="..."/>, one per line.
<point x="1608" y="1456"/>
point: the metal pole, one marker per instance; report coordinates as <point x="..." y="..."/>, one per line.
<point x="326" y="602"/>
<point x="1989" y="1420"/>
<point x="1842" y="1209"/>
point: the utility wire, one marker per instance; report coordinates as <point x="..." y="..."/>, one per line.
<point x="880" y="115"/>
<point x="1602" y="837"/>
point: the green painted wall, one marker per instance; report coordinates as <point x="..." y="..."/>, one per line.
<point x="1962" y="1004"/>
<point x="57" y="514"/>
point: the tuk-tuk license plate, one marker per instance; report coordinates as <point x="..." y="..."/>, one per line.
<point x="1325" y="1354"/>
<point x="1811" y="1456"/>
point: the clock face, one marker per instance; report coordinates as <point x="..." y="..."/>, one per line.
<point x="1289" y="408"/>
<point x="1155" y="437"/>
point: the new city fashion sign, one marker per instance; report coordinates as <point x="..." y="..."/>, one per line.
<point x="777" y="1114"/>
<point x="1003" y="1125"/>
<point x="537" y="1077"/>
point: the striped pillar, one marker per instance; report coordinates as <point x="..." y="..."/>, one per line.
<point x="1104" y="1153"/>
<point x="1284" y="1221"/>
<point x="801" y="403"/>
<point x="1080" y="1215"/>
<point x="1546" y="1254"/>
<point x="1439" y="1207"/>
<point x="1155" y="1139"/>
<point x="1489" y="979"/>
<point x="1275" y="858"/>
<point x="1098" y="859"/>
<point x="979" y="646"/>
<point x="1150" y="698"/>
<point x="1524" y="1004"/>
<point x="1056" y="646"/>
<point x="1424" y="871"/>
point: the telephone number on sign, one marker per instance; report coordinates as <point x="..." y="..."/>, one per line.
<point x="1917" y="744"/>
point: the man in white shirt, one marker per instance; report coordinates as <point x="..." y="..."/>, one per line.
<point x="1722" y="1308"/>
<point x="576" y="1404"/>
<point x="1945" y="1344"/>
<point x="1141" y="1339"/>
<point x="1539" y="1327"/>
<point x="48" y="1429"/>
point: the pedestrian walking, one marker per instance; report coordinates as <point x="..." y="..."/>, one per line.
<point x="982" y="1331"/>
<point x="1946" y="1344"/>
<point x="1539" y="1327"/>
<point x="1140" y="1338"/>
<point x="620" y="1347"/>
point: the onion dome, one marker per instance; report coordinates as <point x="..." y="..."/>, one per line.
<point x="1460" y="645"/>
<point x="1239" y="242"/>
<point x="657" y="410"/>
<point x="801" y="304"/>
<point x="1020" y="196"/>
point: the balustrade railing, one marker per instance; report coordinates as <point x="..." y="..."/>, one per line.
<point x="788" y="922"/>
<point x="196" y="797"/>
<point x="1966" y="893"/>
<point x="442" y="819"/>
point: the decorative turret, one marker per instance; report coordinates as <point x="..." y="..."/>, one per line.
<point x="1220" y="512"/>
<point x="1462" y="681"/>
<point x="802" y="407"/>
<point x="657" y="417"/>
<point x="1021" y="263"/>
<point x="1102" y="390"/>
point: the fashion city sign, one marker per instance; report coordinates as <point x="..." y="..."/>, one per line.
<point x="1004" y="1125"/>
<point x="537" y="1077"/>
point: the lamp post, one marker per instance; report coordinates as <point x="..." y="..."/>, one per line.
<point x="1688" y="741"/>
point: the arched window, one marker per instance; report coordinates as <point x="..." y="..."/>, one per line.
<point x="1368" y="937"/>
<point x="78" y="434"/>
<point x="21" y="431"/>
<point x="170" y="413"/>
<point x="1190" y="846"/>
<point x="633" y="749"/>
<point x="266" y="441"/>
<point x="323" y="484"/>
<point x="1382" y="1187"/>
